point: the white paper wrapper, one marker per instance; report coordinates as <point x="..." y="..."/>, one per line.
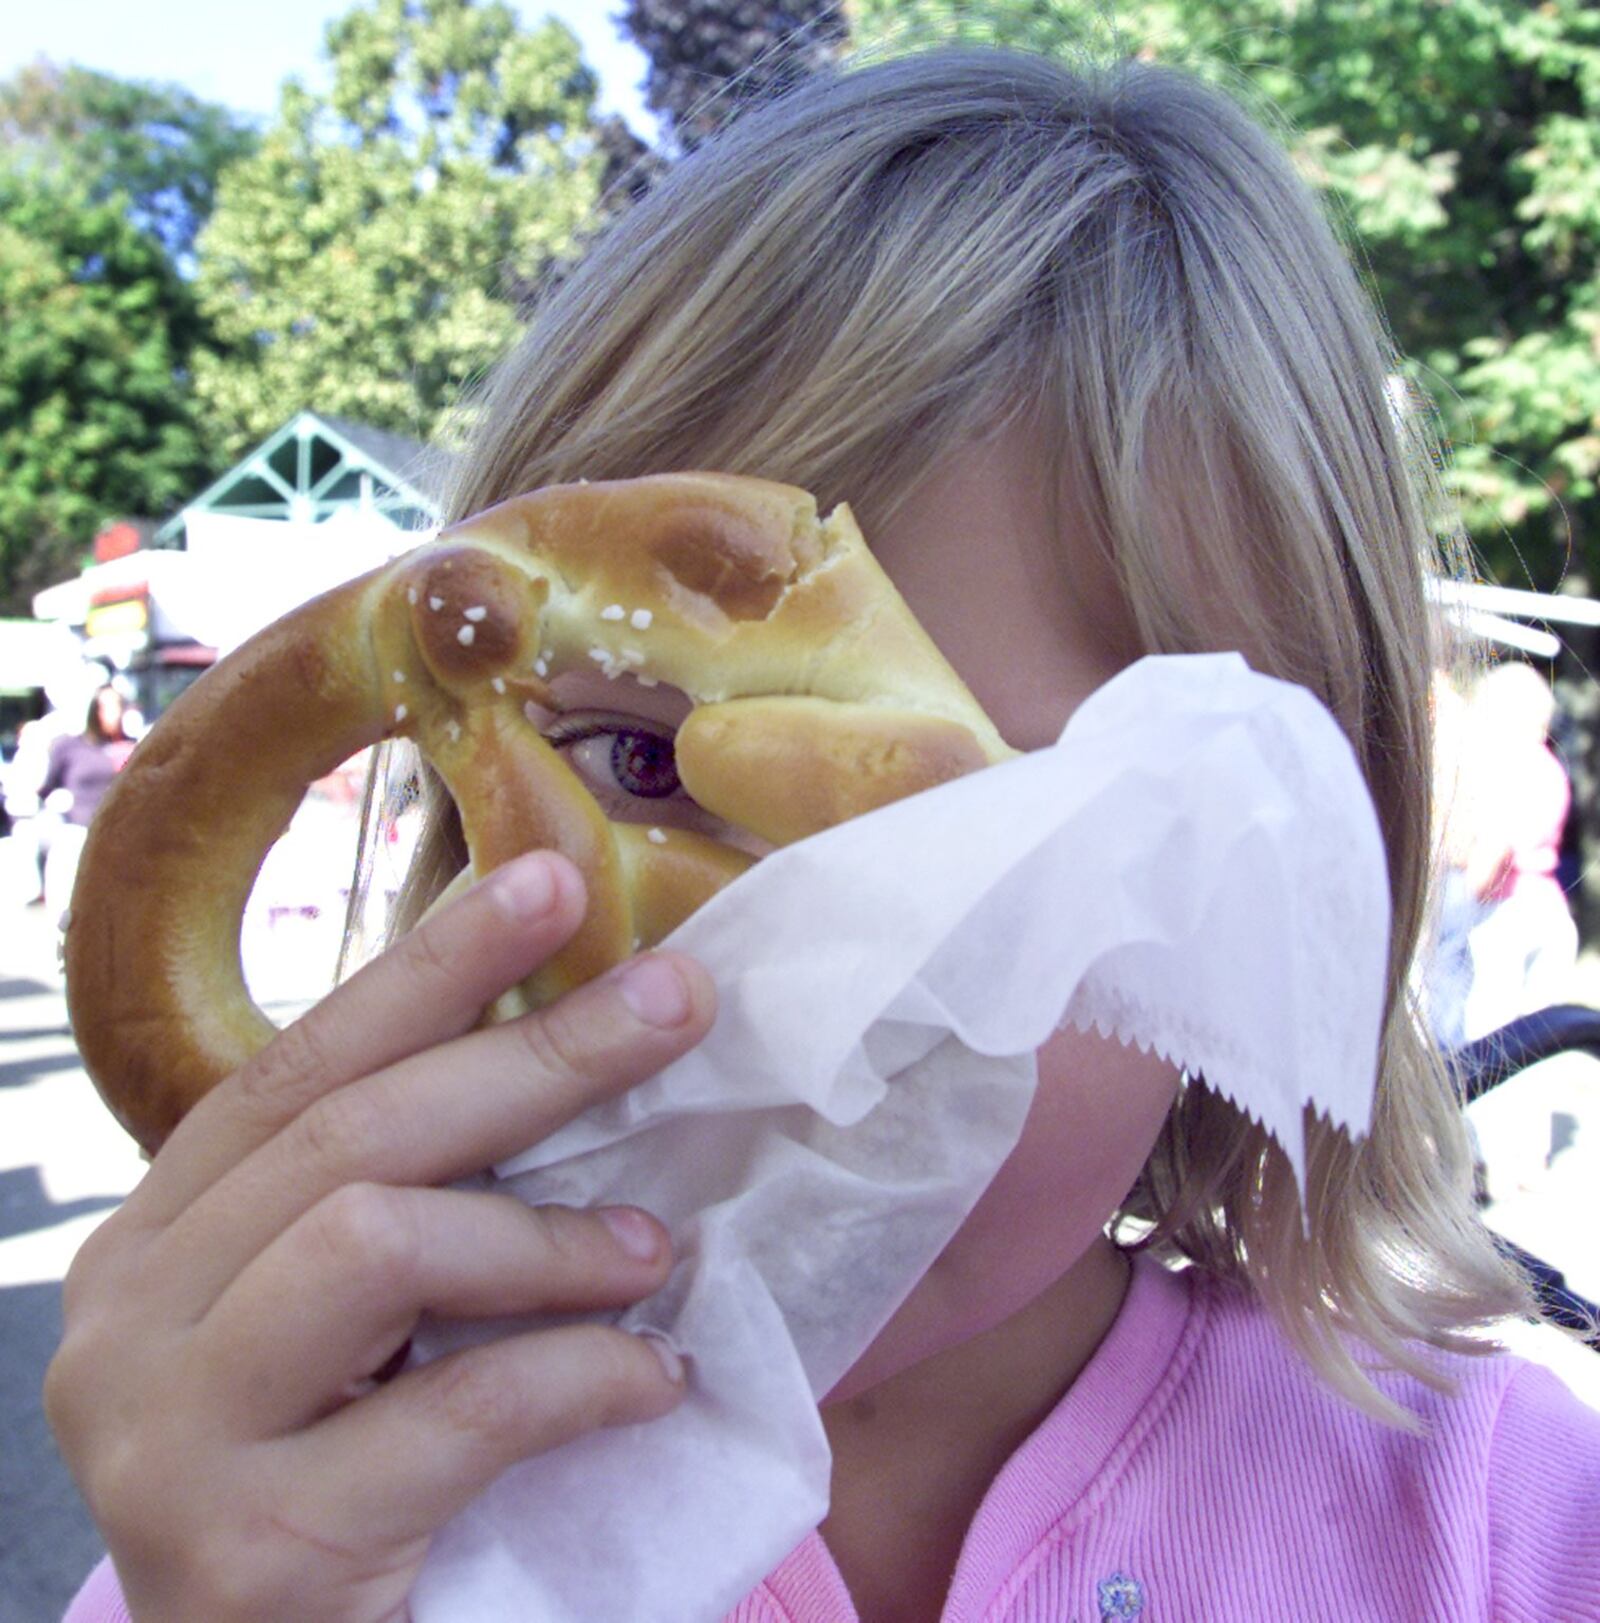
<point x="1194" y="865"/>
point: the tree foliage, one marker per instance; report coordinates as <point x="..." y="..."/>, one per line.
<point x="1460" y="139"/>
<point x="103" y="185"/>
<point x="381" y="241"/>
<point x="94" y="328"/>
<point x="708" y="58"/>
<point x="377" y="250"/>
<point x="158" y="147"/>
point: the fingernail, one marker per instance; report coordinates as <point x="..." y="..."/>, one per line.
<point x="633" y="1231"/>
<point x="659" y="1344"/>
<point x="654" y="990"/>
<point x="524" y="889"/>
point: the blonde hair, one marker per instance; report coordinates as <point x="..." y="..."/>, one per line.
<point x="892" y="261"/>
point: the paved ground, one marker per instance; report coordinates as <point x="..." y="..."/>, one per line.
<point x="64" y="1164"/>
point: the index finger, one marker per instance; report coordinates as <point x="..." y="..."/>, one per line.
<point x="431" y="986"/>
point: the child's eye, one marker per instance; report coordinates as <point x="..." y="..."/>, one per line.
<point x="619" y="758"/>
<point x="628" y="764"/>
<point x="644" y="764"/>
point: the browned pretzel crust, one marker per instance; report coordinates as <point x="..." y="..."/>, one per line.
<point x="817" y="696"/>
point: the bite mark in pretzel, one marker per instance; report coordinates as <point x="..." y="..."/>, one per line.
<point x="817" y="697"/>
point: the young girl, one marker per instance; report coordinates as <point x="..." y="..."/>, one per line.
<point x="1093" y="372"/>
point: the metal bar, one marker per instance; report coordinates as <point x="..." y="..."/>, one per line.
<point x="1541" y="644"/>
<point x="334" y="474"/>
<point x="263" y="470"/>
<point x="1577" y="611"/>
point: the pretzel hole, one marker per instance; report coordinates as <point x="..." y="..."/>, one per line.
<point x="293" y="929"/>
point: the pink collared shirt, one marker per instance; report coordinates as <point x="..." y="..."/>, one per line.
<point x="1197" y="1471"/>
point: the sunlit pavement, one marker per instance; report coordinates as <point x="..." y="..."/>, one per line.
<point x="64" y="1164"/>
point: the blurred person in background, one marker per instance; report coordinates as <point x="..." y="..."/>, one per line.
<point x="81" y="767"/>
<point x="1524" y="947"/>
<point x="1507" y="944"/>
<point x="68" y="689"/>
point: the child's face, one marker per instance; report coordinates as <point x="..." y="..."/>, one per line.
<point x="1029" y="616"/>
<point x="1031" y="619"/>
<point x="1033" y="622"/>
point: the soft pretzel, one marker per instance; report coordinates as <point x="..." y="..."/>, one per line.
<point x="817" y="697"/>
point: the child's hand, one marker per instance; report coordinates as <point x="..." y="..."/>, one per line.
<point x="212" y="1394"/>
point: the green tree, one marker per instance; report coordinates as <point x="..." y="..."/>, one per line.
<point x="157" y="147"/>
<point x="710" y="58"/>
<point x="103" y="186"/>
<point x="378" y="249"/>
<point x="94" y="326"/>
<point x="1460" y="139"/>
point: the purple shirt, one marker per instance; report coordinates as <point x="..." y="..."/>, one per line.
<point x="84" y="769"/>
<point x="1198" y="1470"/>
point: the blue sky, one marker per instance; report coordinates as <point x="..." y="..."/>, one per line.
<point x="238" y="51"/>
